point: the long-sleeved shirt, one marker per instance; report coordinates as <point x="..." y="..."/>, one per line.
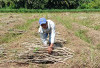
<point x="50" y="29"/>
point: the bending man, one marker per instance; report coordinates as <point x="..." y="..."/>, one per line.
<point x="47" y="27"/>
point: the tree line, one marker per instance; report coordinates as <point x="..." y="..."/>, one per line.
<point x="50" y="4"/>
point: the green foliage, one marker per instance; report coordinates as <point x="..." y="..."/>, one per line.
<point x="57" y="4"/>
<point x="36" y="49"/>
<point x="50" y="4"/>
<point x="95" y="4"/>
<point x="92" y="4"/>
<point x="35" y="4"/>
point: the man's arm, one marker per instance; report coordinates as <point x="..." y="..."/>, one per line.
<point x="52" y="34"/>
<point x="52" y="38"/>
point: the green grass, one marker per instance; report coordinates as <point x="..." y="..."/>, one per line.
<point x="97" y="27"/>
<point x="48" y="10"/>
<point x="82" y="35"/>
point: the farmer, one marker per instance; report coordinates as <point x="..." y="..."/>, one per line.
<point x="47" y="27"/>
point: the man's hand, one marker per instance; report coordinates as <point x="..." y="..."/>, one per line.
<point x="50" y="48"/>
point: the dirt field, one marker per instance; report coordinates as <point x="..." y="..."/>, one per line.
<point x="80" y="32"/>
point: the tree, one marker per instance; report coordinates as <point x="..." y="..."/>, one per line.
<point x="50" y="4"/>
<point x="57" y="4"/>
<point x="37" y="4"/>
<point x="2" y="4"/>
<point x="94" y="4"/>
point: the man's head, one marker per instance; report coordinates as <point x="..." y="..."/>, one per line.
<point x="43" y="22"/>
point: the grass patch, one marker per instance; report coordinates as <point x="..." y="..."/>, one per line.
<point x="98" y="46"/>
<point x="2" y="24"/>
<point x="82" y="35"/>
<point x="8" y="37"/>
<point x="66" y="22"/>
<point x="26" y="25"/>
<point x="48" y="10"/>
<point x="85" y="22"/>
<point x="97" y="27"/>
<point x="83" y="19"/>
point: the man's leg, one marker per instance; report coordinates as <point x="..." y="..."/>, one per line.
<point x="49" y="39"/>
<point x="44" y="38"/>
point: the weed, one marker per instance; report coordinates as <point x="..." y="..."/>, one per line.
<point x="36" y="49"/>
<point x="81" y="34"/>
<point x="97" y="27"/>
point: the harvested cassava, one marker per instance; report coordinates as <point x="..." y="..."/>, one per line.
<point x="39" y="54"/>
